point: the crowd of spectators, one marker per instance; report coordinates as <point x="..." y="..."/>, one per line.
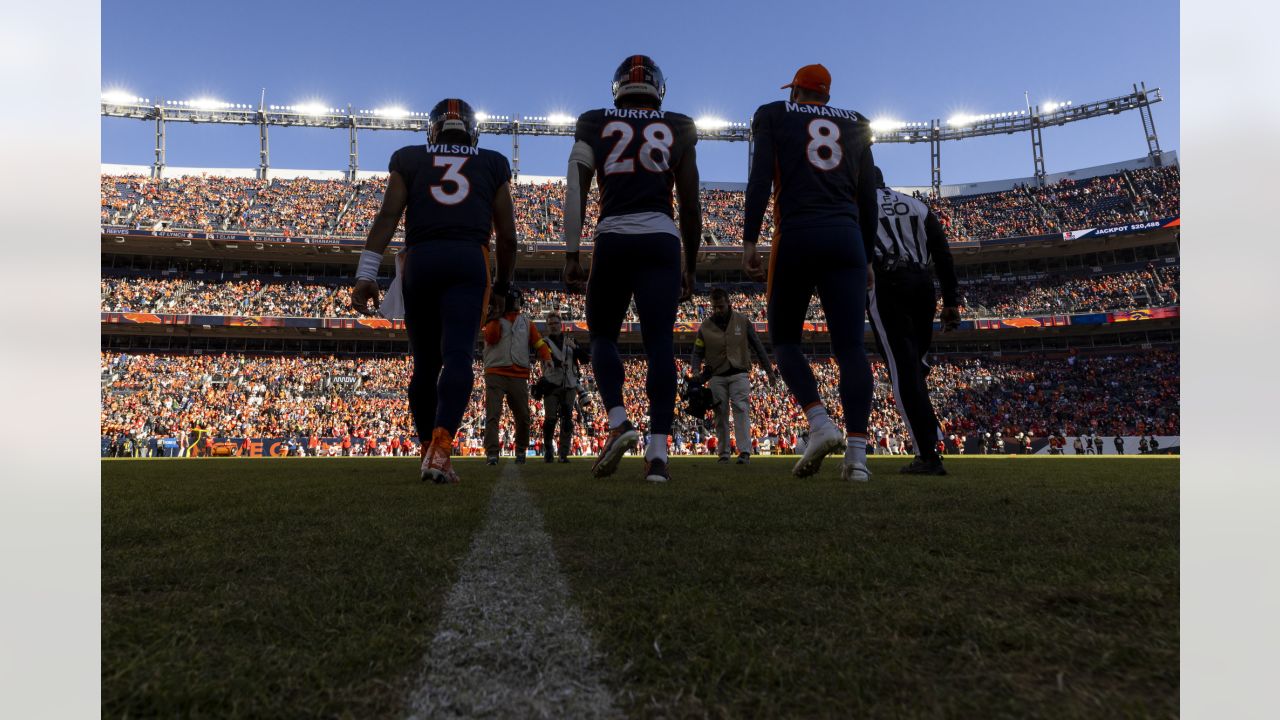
<point x="363" y="400"/>
<point x="304" y="206"/>
<point x="1076" y="204"/>
<point x="1160" y="188"/>
<point x="989" y="297"/>
<point x="977" y="217"/>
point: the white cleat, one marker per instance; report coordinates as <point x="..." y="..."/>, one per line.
<point x="854" y="472"/>
<point x="821" y="444"/>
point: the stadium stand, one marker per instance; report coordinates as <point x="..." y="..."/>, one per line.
<point x="302" y="206"/>
<point x="267" y="383"/>
<point x="988" y="297"/>
<point x="153" y="396"/>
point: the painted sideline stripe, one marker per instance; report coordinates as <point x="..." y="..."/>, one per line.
<point x="510" y="643"/>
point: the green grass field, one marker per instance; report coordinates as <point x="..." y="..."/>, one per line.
<point x="1016" y="587"/>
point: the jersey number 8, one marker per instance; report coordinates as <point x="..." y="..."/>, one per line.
<point x="655" y="153"/>
<point x="824" y="150"/>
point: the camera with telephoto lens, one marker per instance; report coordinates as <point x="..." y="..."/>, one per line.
<point x="542" y="388"/>
<point x="699" y="400"/>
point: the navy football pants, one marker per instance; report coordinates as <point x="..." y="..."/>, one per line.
<point x="445" y="287"/>
<point x="648" y="268"/>
<point x="832" y="261"/>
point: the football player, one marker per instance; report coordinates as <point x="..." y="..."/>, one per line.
<point x="636" y="151"/>
<point x="451" y="193"/>
<point x="816" y="160"/>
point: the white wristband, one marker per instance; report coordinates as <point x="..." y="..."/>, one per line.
<point x="370" y="261"/>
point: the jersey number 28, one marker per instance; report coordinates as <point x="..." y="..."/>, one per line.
<point x="654" y="154"/>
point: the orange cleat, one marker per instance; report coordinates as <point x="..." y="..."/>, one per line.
<point x="621" y="439"/>
<point x="436" y="465"/>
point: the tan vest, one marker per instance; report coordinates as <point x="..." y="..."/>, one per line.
<point x="726" y="348"/>
<point x="512" y="347"/>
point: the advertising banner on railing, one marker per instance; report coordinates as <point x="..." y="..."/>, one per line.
<point x="377" y="323"/>
<point x="1122" y="229"/>
<point x="358" y="242"/>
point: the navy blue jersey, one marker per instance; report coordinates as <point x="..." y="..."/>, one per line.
<point x="817" y="161"/>
<point x="451" y="191"/>
<point x="636" y="152"/>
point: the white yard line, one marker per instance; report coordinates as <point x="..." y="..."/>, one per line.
<point x="510" y="644"/>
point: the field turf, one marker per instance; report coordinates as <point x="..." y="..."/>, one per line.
<point x="1016" y="587"/>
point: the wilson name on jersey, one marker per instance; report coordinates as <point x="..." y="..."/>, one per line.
<point x="813" y="155"/>
<point x="636" y="152"/>
<point x="901" y="235"/>
<point x="451" y="191"/>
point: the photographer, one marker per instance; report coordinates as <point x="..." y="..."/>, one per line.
<point x="723" y="341"/>
<point x="559" y="387"/>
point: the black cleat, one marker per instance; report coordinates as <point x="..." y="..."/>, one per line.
<point x="656" y="470"/>
<point x="493" y="460"/>
<point x="744" y="458"/>
<point x="724" y="460"/>
<point x="519" y="459"/>
<point x="548" y="459"/>
<point x="564" y="460"/>
<point x="923" y="466"/>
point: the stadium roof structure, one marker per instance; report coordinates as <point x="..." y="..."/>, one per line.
<point x="206" y="110"/>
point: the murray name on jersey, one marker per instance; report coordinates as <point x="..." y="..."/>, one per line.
<point x="635" y="152"/>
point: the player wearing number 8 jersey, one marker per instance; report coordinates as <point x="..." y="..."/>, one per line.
<point x="638" y="153"/>
<point x="817" y="161"/>
<point x="452" y="194"/>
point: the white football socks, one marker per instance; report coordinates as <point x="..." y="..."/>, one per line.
<point x="855" y="450"/>
<point x="818" y="418"/>
<point x="617" y="416"/>
<point x="657" y="448"/>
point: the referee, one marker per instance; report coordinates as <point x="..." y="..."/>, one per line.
<point x="902" y="304"/>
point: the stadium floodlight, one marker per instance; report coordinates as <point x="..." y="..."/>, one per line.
<point x="311" y="108"/>
<point x="206" y="103"/>
<point x="120" y="97"/>
<point x="885" y="124"/>
<point x="1050" y="106"/>
<point x="481" y="116"/>
<point x="960" y="120"/>
<point x="393" y="112"/>
<point x="559" y="119"/>
<point x="711" y="123"/>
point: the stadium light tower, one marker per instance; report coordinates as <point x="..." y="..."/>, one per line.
<point x="264" y="151"/>
<point x="117" y="103"/>
<point x="353" y="149"/>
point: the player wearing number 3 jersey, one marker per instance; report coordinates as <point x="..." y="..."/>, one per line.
<point x="817" y="161"/>
<point x="452" y="194"/>
<point x="637" y="152"/>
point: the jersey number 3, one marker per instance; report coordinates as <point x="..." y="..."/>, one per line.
<point x="452" y="174"/>
<point x="824" y="150"/>
<point x="655" y="153"/>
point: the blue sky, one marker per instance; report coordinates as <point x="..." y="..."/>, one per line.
<point x="723" y="59"/>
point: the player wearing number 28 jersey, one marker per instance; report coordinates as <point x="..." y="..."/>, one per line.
<point x="817" y="161"/>
<point x="637" y="152"/>
<point x="452" y="194"/>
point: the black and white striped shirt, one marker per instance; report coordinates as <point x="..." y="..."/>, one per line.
<point x="908" y="233"/>
<point x="901" y="236"/>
